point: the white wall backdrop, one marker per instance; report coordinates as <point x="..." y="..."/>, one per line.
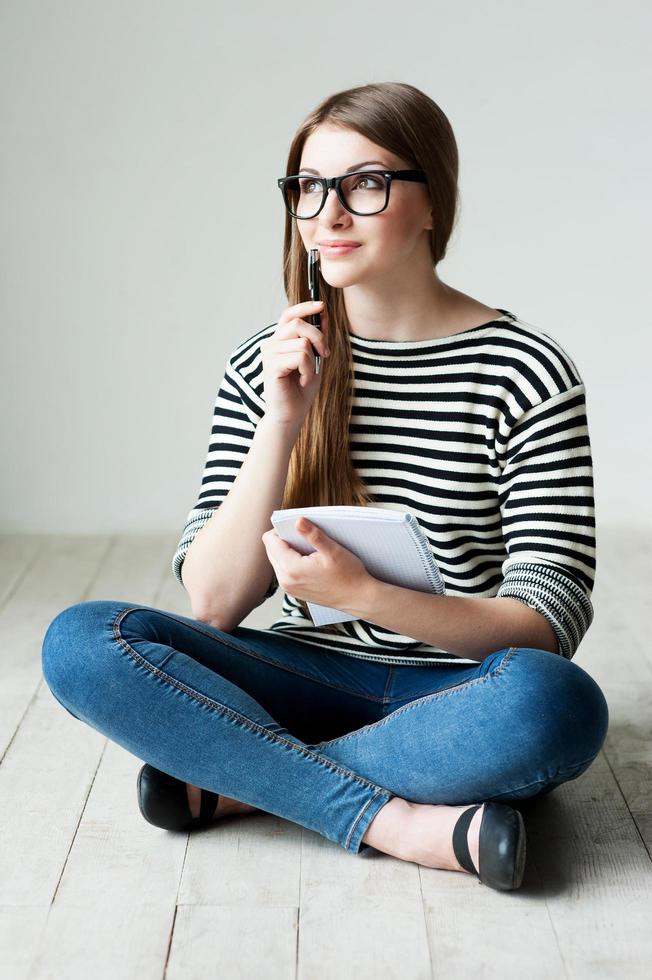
<point x="130" y="269"/>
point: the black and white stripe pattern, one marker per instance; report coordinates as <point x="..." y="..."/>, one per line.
<point x="483" y="436"/>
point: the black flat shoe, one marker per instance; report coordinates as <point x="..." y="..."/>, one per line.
<point x="163" y="801"/>
<point x="502" y="845"/>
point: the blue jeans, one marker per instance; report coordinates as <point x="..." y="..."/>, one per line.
<point x="314" y="736"/>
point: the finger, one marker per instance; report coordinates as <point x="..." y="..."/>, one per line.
<point x="296" y="329"/>
<point x="314" y="534"/>
<point x="300" y="310"/>
<point x="301" y="361"/>
<point x="316" y="339"/>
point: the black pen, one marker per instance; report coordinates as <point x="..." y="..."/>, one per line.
<point x="313" y="286"/>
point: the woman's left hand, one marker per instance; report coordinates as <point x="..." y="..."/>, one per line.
<point x="331" y="575"/>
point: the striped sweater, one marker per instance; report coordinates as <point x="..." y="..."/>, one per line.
<point x="483" y="436"/>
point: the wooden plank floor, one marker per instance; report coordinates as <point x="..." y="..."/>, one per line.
<point x="89" y="889"/>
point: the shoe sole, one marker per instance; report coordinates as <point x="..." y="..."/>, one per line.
<point x="521" y="848"/>
<point x="139" y="795"/>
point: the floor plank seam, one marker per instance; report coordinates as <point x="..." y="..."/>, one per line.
<point x="73" y="837"/>
<point x="21" y="719"/>
<point x="624" y="798"/>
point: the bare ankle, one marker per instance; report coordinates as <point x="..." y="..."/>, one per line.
<point x="389" y="831"/>
<point x="421" y="832"/>
<point x="225" y="805"/>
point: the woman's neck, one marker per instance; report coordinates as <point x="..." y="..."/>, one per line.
<point x="404" y="317"/>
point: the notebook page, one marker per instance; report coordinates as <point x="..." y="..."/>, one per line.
<point x="385" y="544"/>
<point x="361" y="513"/>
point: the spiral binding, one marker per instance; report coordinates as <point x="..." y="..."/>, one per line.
<point x="423" y="547"/>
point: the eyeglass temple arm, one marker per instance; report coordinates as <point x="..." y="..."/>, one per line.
<point x="416" y="175"/>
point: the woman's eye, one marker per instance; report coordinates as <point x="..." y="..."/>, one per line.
<point x="372" y="179"/>
<point x="306" y="186"/>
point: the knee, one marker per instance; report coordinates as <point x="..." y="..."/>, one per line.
<point x="563" y="708"/>
<point x="71" y="643"/>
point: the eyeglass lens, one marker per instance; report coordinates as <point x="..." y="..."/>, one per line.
<point x="364" y="193"/>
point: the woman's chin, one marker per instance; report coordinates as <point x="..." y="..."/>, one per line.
<point x="337" y="279"/>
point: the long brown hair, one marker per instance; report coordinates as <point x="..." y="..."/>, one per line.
<point x="405" y="121"/>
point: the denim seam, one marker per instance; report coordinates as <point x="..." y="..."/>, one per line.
<point x="359" y="817"/>
<point x="241" y="648"/>
<point x="222" y="708"/>
<point x="558" y="775"/>
<point x="385" y="699"/>
<point x="585" y="762"/>
<point x="429" y="697"/>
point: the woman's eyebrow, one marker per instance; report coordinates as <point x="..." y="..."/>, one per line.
<point x="349" y="170"/>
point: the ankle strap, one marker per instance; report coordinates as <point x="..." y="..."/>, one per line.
<point x="460" y="841"/>
<point x="208" y="803"/>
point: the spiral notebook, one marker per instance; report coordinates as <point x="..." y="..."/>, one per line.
<point x="390" y="543"/>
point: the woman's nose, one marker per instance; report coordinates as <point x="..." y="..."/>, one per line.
<point x="330" y="208"/>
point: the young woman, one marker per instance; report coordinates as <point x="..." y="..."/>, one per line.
<point x="413" y="727"/>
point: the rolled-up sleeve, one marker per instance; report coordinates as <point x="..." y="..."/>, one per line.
<point x="236" y="413"/>
<point x="548" y="515"/>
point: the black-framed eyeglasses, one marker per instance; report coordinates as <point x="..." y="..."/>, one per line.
<point x="363" y="192"/>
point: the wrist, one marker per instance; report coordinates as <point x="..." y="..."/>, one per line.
<point x="364" y="601"/>
<point x="286" y="431"/>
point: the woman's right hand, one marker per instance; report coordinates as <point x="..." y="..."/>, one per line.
<point x="289" y="364"/>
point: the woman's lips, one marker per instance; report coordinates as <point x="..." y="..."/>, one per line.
<point x="333" y="250"/>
